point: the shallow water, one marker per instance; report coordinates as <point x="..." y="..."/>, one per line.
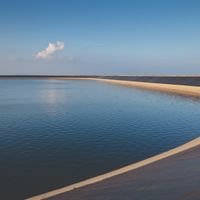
<point x="58" y="132"/>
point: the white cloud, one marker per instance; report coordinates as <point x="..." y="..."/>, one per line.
<point x="52" y="48"/>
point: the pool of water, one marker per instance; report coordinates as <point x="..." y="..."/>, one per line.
<point x="58" y="132"/>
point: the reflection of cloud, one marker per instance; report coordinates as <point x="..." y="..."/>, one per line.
<point x="52" y="48"/>
<point x="52" y="94"/>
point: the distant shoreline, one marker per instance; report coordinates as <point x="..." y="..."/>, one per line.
<point x="170" y="88"/>
<point x="183" y="85"/>
<point x="192" y="80"/>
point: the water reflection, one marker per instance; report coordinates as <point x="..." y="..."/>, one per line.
<point x="53" y="92"/>
<point x="49" y="130"/>
<point x="53" y="96"/>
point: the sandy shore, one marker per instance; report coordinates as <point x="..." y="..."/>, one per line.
<point x="124" y="170"/>
<point x="184" y="85"/>
<point x="173" y="178"/>
<point x="178" y="89"/>
<point x="170" y="88"/>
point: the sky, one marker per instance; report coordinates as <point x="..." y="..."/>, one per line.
<point x="108" y="37"/>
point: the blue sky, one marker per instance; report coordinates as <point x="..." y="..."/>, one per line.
<point x="100" y="37"/>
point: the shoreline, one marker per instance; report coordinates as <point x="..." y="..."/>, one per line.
<point x="123" y="170"/>
<point x="145" y="82"/>
<point x="186" y="90"/>
<point x="170" y="88"/>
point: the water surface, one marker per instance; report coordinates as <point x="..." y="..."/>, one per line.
<point x="58" y="132"/>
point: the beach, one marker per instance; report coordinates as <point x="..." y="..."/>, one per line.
<point x="172" y="88"/>
<point x="169" y="175"/>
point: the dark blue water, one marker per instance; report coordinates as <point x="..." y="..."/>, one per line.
<point x="58" y="132"/>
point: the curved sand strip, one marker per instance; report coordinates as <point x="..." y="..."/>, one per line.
<point x="128" y="168"/>
<point x="166" y="87"/>
<point x="172" y="88"/>
<point x="178" y="89"/>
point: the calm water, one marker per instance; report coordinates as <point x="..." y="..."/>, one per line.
<point x="54" y="133"/>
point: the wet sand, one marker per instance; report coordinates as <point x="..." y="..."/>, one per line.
<point x="171" y="175"/>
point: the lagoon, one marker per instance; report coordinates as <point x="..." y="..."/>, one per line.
<point x="57" y="132"/>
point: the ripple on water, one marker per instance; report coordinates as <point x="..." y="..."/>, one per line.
<point x="66" y="131"/>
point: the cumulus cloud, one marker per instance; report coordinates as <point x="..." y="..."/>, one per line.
<point x="51" y="49"/>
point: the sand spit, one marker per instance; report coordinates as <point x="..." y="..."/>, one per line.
<point x="162" y="87"/>
<point x="170" y="88"/>
<point x="184" y="85"/>
<point x="178" y="89"/>
<point x="123" y="170"/>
